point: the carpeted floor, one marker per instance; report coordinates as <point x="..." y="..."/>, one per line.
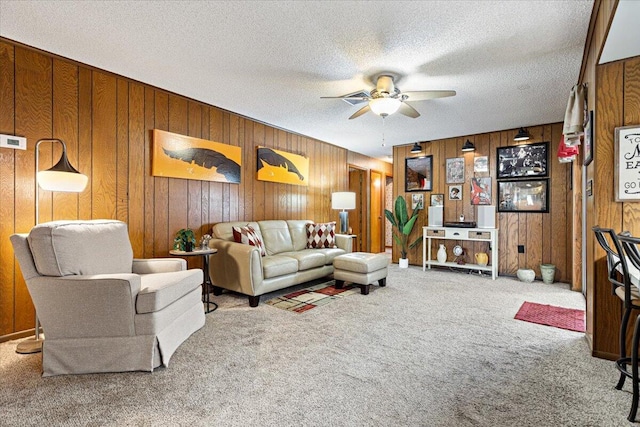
<point x="433" y="348"/>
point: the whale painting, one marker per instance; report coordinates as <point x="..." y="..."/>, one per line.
<point x="283" y="167"/>
<point x="180" y="156"/>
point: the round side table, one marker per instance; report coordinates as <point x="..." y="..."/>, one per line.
<point x="205" y="254"/>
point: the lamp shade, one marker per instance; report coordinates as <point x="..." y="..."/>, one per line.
<point x="384" y="106"/>
<point x="343" y="200"/>
<point x="62" y="177"/>
<point x="416" y="148"/>
<point x="522" y="135"/>
<point x="468" y="146"/>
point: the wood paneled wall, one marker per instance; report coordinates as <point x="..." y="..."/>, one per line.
<point x="546" y="236"/>
<point x="106" y="121"/>
<point x="617" y="94"/>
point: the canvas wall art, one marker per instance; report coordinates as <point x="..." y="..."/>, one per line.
<point x="282" y="167"/>
<point x="481" y="191"/>
<point x="455" y="170"/>
<point x="180" y="156"/>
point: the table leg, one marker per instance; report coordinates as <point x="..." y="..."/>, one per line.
<point x="206" y="285"/>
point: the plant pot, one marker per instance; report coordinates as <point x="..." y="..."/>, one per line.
<point x="403" y="262"/>
<point x="548" y="271"/>
<point x="526" y="275"/>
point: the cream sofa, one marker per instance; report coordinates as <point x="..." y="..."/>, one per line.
<point x="102" y="310"/>
<point x="239" y="267"/>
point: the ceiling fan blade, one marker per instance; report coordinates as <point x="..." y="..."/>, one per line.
<point x="360" y="112"/>
<point x="408" y="110"/>
<point x="361" y="98"/>
<point x="422" y="95"/>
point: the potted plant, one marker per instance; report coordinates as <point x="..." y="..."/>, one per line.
<point x="403" y="223"/>
<point x="185" y="240"/>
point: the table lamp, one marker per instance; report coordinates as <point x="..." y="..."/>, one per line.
<point x="60" y="177"/>
<point x="343" y="200"/>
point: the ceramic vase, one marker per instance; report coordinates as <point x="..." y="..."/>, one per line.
<point x="442" y="254"/>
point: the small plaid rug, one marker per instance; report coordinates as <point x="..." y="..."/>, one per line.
<point x="559" y="317"/>
<point x="312" y="297"/>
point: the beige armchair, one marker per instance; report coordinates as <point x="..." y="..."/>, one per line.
<point x="101" y="310"/>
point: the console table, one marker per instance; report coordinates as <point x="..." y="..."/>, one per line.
<point x="454" y="233"/>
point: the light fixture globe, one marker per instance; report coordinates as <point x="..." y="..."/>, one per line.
<point x="384" y="106"/>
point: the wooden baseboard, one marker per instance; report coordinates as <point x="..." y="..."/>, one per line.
<point x="17" y="335"/>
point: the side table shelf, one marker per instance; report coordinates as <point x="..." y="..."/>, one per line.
<point x="469" y="234"/>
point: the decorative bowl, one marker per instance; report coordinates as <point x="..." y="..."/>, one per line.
<point x="526" y="275"/>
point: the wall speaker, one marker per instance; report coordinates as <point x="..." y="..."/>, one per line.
<point x="435" y="216"/>
<point x="486" y="216"/>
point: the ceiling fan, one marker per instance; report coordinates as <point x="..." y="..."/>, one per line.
<point x="387" y="98"/>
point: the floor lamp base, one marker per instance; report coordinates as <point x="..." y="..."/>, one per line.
<point x="29" y="346"/>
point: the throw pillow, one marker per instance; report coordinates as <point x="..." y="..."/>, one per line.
<point x="321" y="235"/>
<point x="248" y="236"/>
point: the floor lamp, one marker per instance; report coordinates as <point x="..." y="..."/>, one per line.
<point x="343" y="200"/>
<point x="61" y="177"/>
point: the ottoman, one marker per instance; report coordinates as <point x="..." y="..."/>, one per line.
<point x="361" y="268"/>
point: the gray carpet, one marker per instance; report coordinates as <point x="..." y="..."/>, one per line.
<point x="433" y="348"/>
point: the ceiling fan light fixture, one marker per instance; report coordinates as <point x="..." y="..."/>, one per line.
<point x="522" y="135"/>
<point x="468" y="146"/>
<point x="417" y="148"/>
<point x="384" y="106"/>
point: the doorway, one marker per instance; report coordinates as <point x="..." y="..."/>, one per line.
<point x="376" y="235"/>
<point x="358" y="185"/>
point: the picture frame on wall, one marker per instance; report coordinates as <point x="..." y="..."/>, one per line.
<point x="437" y="200"/>
<point x="526" y="195"/>
<point x="418" y="173"/>
<point x="481" y="191"/>
<point x="588" y="139"/>
<point x="522" y="161"/>
<point x="455" y="192"/>
<point x="481" y="164"/>
<point x="455" y="170"/>
<point x="417" y="201"/>
<point x="627" y="163"/>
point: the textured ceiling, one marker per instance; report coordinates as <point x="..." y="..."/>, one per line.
<point x="512" y="63"/>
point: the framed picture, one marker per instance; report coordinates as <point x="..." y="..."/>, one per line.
<point x="455" y="170"/>
<point x="522" y="161"/>
<point x="455" y="192"/>
<point x="527" y="195"/>
<point x="418" y="174"/>
<point x="281" y="166"/>
<point x="417" y="201"/>
<point x="181" y="156"/>
<point x="437" y="200"/>
<point x="627" y="163"/>
<point x="481" y="164"/>
<point x="588" y="139"/>
<point x="481" y="191"/>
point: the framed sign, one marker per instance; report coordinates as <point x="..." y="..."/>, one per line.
<point x="522" y="161"/>
<point x="418" y="173"/>
<point x="481" y="164"/>
<point x="455" y="170"/>
<point x="627" y="163"/>
<point x="437" y="200"/>
<point x="525" y="195"/>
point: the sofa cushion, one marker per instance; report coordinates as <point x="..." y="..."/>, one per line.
<point x="224" y="230"/>
<point x="158" y="290"/>
<point x="248" y="236"/>
<point x="298" y="230"/>
<point x="278" y="265"/>
<point x="321" y="235"/>
<point x="276" y="236"/>
<point x="63" y="248"/>
<point x="307" y="258"/>
<point x="330" y="254"/>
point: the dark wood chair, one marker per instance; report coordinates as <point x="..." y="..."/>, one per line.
<point x="630" y="265"/>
